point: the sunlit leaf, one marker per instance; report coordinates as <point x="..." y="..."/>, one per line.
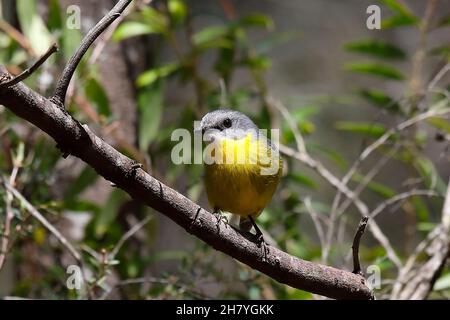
<point x="33" y="26"/>
<point x="213" y="34"/>
<point x="150" y="76"/>
<point x="377" y="69"/>
<point x="177" y="10"/>
<point x="443" y="283"/>
<point x="376" y="48"/>
<point x="132" y="29"/>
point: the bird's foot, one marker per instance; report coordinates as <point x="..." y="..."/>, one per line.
<point x="219" y="218"/>
<point x="263" y="245"/>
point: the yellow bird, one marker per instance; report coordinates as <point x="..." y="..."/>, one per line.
<point x="242" y="167"/>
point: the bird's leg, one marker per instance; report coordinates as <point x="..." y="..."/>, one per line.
<point x="219" y="217"/>
<point x="260" y="238"/>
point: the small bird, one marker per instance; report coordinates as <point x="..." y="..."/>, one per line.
<point x="245" y="170"/>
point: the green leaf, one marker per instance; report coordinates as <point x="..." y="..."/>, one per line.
<point x="257" y="62"/>
<point x="445" y="21"/>
<point x="86" y="178"/>
<point x="257" y="20"/>
<point x="376" y="48"/>
<point x="377" y="69"/>
<point x="303" y="180"/>
<point x="96" y="94"/>
<point x="429" y="173"/>
<point x="109" y="211"/>
<point x="155" y="19"/>
<point x="33" y="26"/>
<point x="150" y="76"/>
<point x="150" y="113"/>
<point x="177" y="10"/>
<point x="398" y="7"/>
<point x="55" y="21"/>
<point x="132" y="29"/>
<point x="210" y="35"/>
<point x="371" y="129"/>
<point x="443" y="283"/>
<point x="439" y="123"/>
<point x="443" y="51"/>
<point x="379" y="99"/>
<point x="377" y="187"/>
<point x="397" y="21"/>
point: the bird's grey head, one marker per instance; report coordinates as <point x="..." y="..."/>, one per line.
<point x="229" y="123"/>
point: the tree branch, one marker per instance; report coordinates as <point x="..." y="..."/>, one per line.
<point x="59" y="96"/>
<point x="28" y="72"/>
<point x="355" y="247"/>
<point x="71" y="136"/>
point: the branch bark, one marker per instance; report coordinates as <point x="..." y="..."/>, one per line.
<point x="78" y="140"/>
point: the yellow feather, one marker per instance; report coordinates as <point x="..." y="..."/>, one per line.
<point x="237" y="185"/>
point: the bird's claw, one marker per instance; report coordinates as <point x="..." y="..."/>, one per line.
<point x="219" y="218"/>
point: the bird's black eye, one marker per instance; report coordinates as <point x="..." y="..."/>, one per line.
<point x="227" y="123"/>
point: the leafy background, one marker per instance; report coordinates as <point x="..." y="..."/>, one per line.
<point x="164" y="66"/>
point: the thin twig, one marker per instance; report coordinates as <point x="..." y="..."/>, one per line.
<point x="355" y="247"/>
<point x="400" y="197"/>
<point x="38" y="216"/>
<point x="128" y="235"/>
<point x="27" y="72"/>
<point x="64" y="81"/>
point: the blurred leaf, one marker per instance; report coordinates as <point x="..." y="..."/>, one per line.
<point x="96" y="94"/>
<point x="257" y="20"/>
<point x="376" y="48"/>
<point x="439" y="123"/>
<point x="371" y="129"/>
<point x="445" y="21"/>
<point x="33" y="26"/>
<point x="303" y="180"/>
<point x="150" y="106"/>
<point x="86" y="178"/>
<point x="177" y="10"/>
<point x="443" y="283"/>
<point x="274" y="39"/>
<point x="379" y="99"/>
<point x="421" y="208"/>
<point x="150" y="76"/>
<point x="428" y="172"/>
<point x="132" y="29"/>
<point x="377" y="187"/>
<point x="257" y="62"/>
<point x="108" y="214"/>
<point x="331" y="154"/>
<point x="397" y="21"/>
<point x="155" y="19"/>
<point x="398" y="7"/>
<point x="376" y="69"/>
<point x="426" y="226"/>
<point x="209" y="34"/>
<point x="443" y="51"/>
<point x="55" y="21"/>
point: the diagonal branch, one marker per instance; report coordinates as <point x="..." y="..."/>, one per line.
<point x="28" y="72"/>
<point x="59" y="96"/>
<point x="125" y="174"/>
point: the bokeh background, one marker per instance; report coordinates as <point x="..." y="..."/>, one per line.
<point x="165" y="64"/>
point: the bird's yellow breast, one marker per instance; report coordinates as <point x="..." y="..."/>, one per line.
<point x="245" y="179"/>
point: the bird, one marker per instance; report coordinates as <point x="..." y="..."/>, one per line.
<point x="242" y="167"/>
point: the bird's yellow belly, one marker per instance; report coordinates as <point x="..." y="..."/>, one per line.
<point x="239" y="188"/>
